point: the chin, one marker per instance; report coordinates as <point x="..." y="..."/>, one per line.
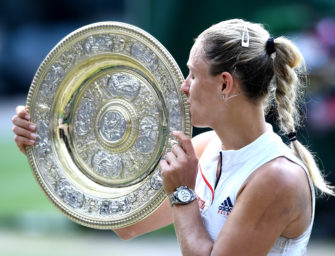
<point x="198" y="124"/>
<point x="197" y="119"/>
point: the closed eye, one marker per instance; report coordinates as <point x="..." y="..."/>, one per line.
<point x="191" y="75"/>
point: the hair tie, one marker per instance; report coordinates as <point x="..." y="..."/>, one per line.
<point x="270" y="46"/>
<point x="292" y="136"/>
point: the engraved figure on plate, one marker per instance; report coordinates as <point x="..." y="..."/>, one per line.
<point x="149" y="131"/>
<point x="124" y="85"/>
<point x="102" y="43"/>
<point x="84" y="115"/>
<point x="55" y="75"/>
<point x="107" y="165"/>
<point x="113" y="126"/>
<point x="144" y="54"/>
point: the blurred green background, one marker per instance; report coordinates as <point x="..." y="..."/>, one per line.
<point x="29" y="223"/>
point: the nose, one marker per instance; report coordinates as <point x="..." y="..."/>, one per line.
<point x="185" y="87"/>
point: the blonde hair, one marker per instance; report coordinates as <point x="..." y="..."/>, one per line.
<point x="271" y="78"/>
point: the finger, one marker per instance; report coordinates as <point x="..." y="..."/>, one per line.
<point x="22" y="148"/>
<point x="22" y="112"/>
<point x="170" y="158"/>
<point x="21" y="142"/>
<point x="163" y="165"/>
<point x="24" y="133"/>
<point x="177" y="150"/>
<point x="185" y="142"/>
<point x="23" y="123"/>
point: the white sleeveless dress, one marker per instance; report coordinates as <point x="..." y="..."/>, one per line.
<point x="237" y="165"/>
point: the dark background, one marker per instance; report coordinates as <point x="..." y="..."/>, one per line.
<point x="29" y="29"/>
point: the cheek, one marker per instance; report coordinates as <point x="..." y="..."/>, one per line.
<point x="200" y="94"/>
<point x="195" y="89"/>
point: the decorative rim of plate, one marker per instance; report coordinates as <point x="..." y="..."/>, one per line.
<point x="176" y="75"/>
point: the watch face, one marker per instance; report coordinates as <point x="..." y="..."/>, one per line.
<point x="184" y="195"/>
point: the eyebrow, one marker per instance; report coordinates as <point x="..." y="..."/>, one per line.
<point x="190" y="66"/>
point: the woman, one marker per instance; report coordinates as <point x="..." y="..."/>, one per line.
<point x="253" y="194"/>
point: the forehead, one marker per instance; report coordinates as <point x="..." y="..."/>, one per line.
<point x="195" y="52"/>
<point x="196" y="59"/>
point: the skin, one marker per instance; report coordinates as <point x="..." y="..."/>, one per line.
<point x="274" y="201"/>
<point x="24" y="129"/>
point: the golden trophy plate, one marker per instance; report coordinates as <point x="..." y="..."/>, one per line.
<point x="105" y="100"/>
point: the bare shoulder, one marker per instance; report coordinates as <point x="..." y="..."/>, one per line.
<point x="280" y="175"/>
<point x="283" y="187"/>
<point x="282" y="172"/>
<point x="201" y="141"/>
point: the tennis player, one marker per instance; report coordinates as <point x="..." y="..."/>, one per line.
<point x="238" y="189"/>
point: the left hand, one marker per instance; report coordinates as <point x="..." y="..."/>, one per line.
<point x="181" y="165"/>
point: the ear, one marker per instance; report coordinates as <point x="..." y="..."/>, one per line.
<point x="226" y="83"/>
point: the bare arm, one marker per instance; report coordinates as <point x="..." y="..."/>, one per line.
<point x="180" y="168"/>
<point x="191" y="233"/>
<point x="266" y="208"/>
<point x="158" y="219"/>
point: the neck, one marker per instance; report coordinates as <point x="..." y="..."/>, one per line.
<point x="241" y="125"/>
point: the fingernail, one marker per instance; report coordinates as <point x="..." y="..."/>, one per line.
<point x="32" y="141"/>
<point x="33" y="135"/>
<point x="27" y="117"/>
<point x="32" y="127"/>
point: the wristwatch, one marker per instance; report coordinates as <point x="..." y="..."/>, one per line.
<point x="183" y="195"/>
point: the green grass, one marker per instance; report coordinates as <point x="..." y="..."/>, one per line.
<point x="19" y="191"/>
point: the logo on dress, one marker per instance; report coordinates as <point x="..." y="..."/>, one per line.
<point x="201" y="203"/>
<point x="225" y="207"/>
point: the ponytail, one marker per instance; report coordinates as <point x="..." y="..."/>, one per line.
<point x="289" y="65"/>
<point x="306" y="156"/>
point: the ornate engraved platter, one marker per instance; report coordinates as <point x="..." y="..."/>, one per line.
<point x="105" y="100"/>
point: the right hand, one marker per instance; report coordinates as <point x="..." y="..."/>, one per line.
<point x="24" y="129"/>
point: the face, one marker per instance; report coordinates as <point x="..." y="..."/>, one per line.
<point x="202" y="90"/>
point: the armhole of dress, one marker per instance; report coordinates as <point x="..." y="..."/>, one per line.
<point x="299" y="162"/>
